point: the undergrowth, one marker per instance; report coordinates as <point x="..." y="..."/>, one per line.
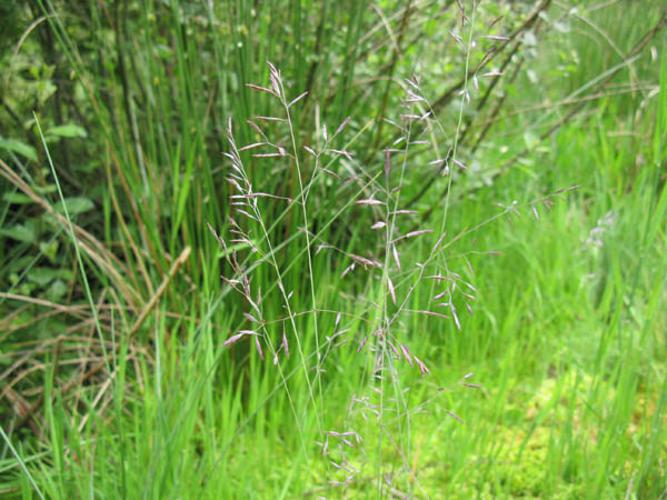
<point x="419" y="253"/>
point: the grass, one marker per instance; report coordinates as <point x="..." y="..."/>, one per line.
<point x="263" y="324"/>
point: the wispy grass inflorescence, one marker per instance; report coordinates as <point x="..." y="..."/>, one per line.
<point x="386" y="340"/>
<point x="314" y="343"/>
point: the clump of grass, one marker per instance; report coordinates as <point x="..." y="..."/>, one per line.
<point x="296" y="318"/>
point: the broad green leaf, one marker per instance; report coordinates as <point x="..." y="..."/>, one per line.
<point x="42" y="276"/>
<point x="20" y="233"/>
<point x="56" y="291"/>
<point x="75" y="206"/>
<point x="69" y="130"/>
<point x="49" y="188"/>
<point x="50" y="250"/>
<point x="17" y="198"/>
<point x="19" y="147"/>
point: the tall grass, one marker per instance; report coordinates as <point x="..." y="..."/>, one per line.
<point x="387" y="263"/>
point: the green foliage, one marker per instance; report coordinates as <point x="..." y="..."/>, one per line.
<point x="18" y="147"/>
<point x="538" y="189"/>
